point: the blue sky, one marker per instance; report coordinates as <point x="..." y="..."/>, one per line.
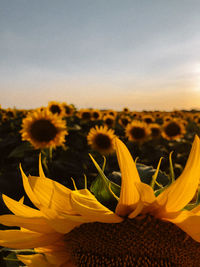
<point x="105" y="53"/>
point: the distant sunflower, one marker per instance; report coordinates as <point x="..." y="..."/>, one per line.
<point x="101" y="139"/>
<point x="183" y="121"/>
<point x="109" y="120"/>
<point x="56" y="108"/>
<point x="111" y="113"/>
<point x="4" y="118"/>
<point x="43" y="129"/>
<point x="84" y="114"/>
<point x="125" y="110"/>
<point x="157" y="114"/>
<point x="96" y="114"/>
<point x="137" y="131"/>
<point x="41" y="108"/>
<point x="124" y="120"/>
<point x="167" y="118"/>
<point x="155" y="130"/>
<point x="69" y="110"/>
<point x="197" y="120"/>
<point x="173" y="130"/>
<point x="10" y="113"/>
<point x="194" y="117"/>
<point x="134" y="115"/>
<point x="148" y="119"/>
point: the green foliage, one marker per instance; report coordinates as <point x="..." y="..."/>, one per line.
<point x="104" y="190"/>
<point x="20" y="151"/>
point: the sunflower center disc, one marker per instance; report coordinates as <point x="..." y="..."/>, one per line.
<point x="137" y="132"/>
<point x="173" y="129"/>
<point x="86" y="115"/>
<point x="143" y="241"/>
<point x="55" y="109"/>
<point x="148" y="120"/>
<point x="43" y="130"/>
<point x="96" y="115"/>
<point x="109" y="122"/>
<point x="102" y="141"/>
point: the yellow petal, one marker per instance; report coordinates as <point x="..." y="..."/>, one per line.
<point x="22" y="240"/>
<point x="181" y="192"/>
<point x="41" y="172"/>
<point x="196" y="210"/>
<point x="55" y="254"/>
<point x="34" y="260"/>
<point x="85" y="204"/>
<point x="147" y="200"/>
<point x="129" y="195"/>
<point x="187" y="221"/>
<point x="29" y="190"/>
<point x="51" y="194"/>
<point x="36" y="224"/>
<point x="19" y="208"/>
<point x="62" y="223"/>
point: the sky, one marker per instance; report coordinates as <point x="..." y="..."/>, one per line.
<point x="140" y="54"/>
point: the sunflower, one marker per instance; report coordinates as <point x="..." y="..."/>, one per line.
<point x="71" y="228"/>
<point x="10" y="113"/>
<point x="148" y="119"/>
<point x="193" y="116"/>
<point x="125" y="110"/>
<point x="124" y="120"/>
<point x="41" y="109"/>
<point x="137" y="131"/>
<point x="84" y="114"/>
<point x="167" y="118"/>
<point x="111" y="113"/>
<point x="135" y="115"/>
<point x="101" y="139"/>
<point x="4" y="118"/>
<point x="155" y="130"/>
<point x="43" y="129"/>
<point x="157" y="114"/>
<point x="69" y="109"/>
<point x="109" y="120"/>
<point x="197" y="119"/>
<point x="96" y="114"/>
<point x="173" y="130"/>
<point x="56" y="108"/>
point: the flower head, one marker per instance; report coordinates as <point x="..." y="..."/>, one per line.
<point x="137" y="131"/>
<point x="56" y="108"/>
<point x="43" y="129"/>
<point x="101" y="139"/>
<point x="148" y="118"/>
<point x="173" y="129"/>
<point x="96" y="114"/>
<point x="69" y="110"/>
<point x="71" y="228"/>
<point x="155" y="130"/>
<point x="124" y="120"/>
<point x="85" y="114"/>
<point x="109" y="120"/>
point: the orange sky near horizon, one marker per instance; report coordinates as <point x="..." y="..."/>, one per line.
<point x="143" y="55"/>
<point x="106" y="95"/>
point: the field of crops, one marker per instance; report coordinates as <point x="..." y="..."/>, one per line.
<point x="70" y="141"/>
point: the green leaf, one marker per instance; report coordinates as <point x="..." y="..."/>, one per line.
<point x="20" y="150"/>
<point x="100" y="186"/>
<point x="11" y="260"/>
<point x="146" y="173"/>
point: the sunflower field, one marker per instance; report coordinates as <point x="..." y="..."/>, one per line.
<point x="80" y="149"/>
